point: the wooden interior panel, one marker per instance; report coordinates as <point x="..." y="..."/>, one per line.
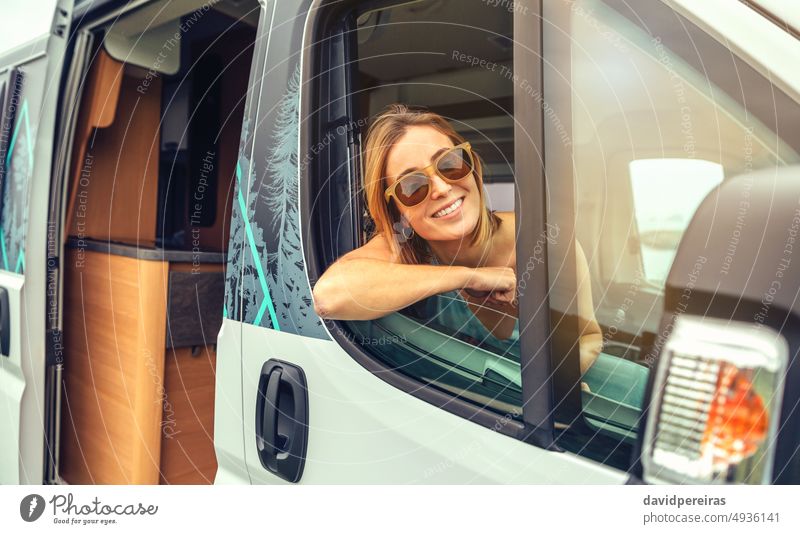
<point x="97" y="110"/>
<point x="115" y="184"/>
<point x="187" y="438"/>
<point x="153" y="277"/>
<point x="133" y="412"/>
<point x="113" y="379"/>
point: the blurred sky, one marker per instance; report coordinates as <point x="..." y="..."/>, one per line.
<point x="23" y="20"/>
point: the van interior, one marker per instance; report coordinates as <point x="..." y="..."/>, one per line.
<point x="454" y="61"/>
<point x="148" y="196"/>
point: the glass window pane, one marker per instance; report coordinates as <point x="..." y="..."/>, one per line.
<point x="447" y="57"/>
<point x="654" y="131"/>
<point x="666" y="193"/>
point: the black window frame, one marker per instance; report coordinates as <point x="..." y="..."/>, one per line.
<point x="326" y="51"/>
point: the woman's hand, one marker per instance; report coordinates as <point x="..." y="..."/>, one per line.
<point x="497" y="284"/>
<point x="591" y="336"/>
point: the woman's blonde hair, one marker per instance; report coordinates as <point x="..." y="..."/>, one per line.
<point x="383" y="133"/>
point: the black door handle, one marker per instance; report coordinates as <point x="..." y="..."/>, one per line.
<point x="5" y="328"/>
<point x="270" y="416"/>
<point x="282" y="419"/>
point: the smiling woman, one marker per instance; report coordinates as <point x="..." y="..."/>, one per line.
<point x="437" y="246"/>
<point x="424" y="192"/>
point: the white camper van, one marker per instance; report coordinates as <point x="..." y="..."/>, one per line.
<point x="177" y="174"/>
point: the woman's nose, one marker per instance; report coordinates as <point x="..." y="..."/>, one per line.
<point x="440" y="188"/>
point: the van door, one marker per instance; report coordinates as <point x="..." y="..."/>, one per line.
<point x="31" y="76"/>
<point x="322" y="402"/>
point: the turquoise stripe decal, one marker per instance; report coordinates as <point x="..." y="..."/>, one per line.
<point x="267" y="302"/>
<point x="20" y="257"/>
<point x="3" y="247"/>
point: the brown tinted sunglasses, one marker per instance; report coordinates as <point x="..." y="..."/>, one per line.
<point x="451" y="165"/>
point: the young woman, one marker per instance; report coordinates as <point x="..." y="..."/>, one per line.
<point x="435" y="236"/>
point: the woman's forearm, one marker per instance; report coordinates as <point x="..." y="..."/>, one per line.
<point x="591" y="345"/>
<point x="365" y="288"/>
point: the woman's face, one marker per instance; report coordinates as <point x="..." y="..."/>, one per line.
<point x="415" y="150"/>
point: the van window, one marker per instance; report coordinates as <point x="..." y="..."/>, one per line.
<point x="652" y="134"/>
<point x="20" y="102"/>
<point x="666" y="193"/>
<point x="448" y="57"/>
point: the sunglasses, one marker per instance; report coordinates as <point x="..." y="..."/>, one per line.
<point x="452" y="165"/>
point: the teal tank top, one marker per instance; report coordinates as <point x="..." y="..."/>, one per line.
<point x="450" y="313"/>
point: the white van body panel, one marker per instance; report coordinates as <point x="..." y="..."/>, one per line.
<point x="228" y="419"/>
<point x="363" y="430"/>
<point x="13" y="469"/>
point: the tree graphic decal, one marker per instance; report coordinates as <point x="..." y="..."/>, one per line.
<point x="286" y="264"/>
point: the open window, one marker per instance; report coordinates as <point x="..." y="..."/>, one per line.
<point x="455" y="59"/>
<point x="147" y="201"/>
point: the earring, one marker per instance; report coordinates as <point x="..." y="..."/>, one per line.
<point x="403" y="230"/>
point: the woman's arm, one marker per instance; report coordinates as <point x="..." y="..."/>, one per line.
<point x="591" y="336"/>
<point x="370" y="282"/>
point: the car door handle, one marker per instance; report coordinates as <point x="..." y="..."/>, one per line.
<point x="269" y="431"/>
<point x="5" y="323"/>
<point x="282" y="419"/>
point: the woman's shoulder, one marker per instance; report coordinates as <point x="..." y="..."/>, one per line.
<point x="377" y="248"/>
<point x="507" y="233"/>
<point x="506" y="220"/>
<point x="505" y="215"/>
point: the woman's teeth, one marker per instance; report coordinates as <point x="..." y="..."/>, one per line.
<point x="449" y="209"/>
